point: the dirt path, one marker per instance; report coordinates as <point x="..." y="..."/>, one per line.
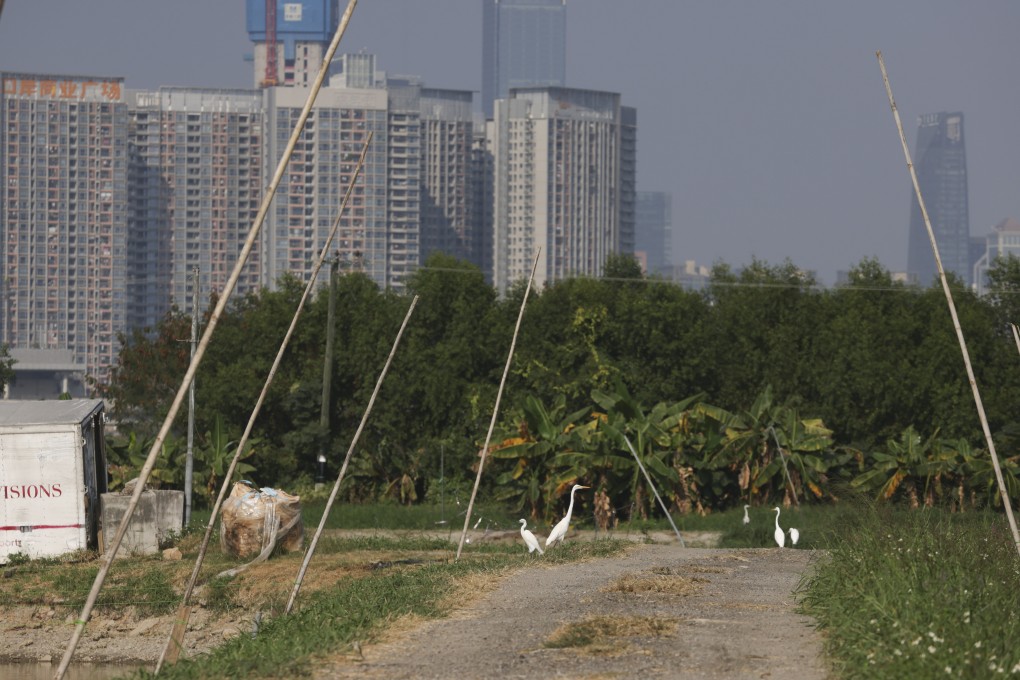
<point x="683" y="613"/>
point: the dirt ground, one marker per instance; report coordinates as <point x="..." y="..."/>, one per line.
<point x="664" y="612"/>
<point x="658" y="610"/>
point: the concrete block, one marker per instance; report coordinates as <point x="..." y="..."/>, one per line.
<point x="157" y="514"/>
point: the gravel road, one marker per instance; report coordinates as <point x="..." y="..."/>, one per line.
<point x="678" y="613"/>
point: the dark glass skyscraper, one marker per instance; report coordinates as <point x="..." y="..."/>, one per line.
<point x="653" y="239"/>
<point x="524" y="44"/>
<point x="940" y="160"/>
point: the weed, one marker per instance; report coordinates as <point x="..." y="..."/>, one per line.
<point x="219" y="594"/>
<point x="918" y="594"/>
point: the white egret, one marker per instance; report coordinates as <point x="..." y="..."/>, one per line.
<point x="779" y="534"/>
<point x="794" y="536"/>
<point x="530" y="539"/>
<point x="560" y="530"/>
<point x="747" y="520"/>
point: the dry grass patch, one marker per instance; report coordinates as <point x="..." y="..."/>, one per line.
<point x="698" y="569"/>
<point x="663" y="580"/>
<point x="603" y="634"/>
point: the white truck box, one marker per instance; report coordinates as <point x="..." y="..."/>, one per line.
<point x="52" y="472"/>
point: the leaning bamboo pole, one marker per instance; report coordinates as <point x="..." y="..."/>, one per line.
<point x="786" y="469"/>
<point x="648" y="478"/>
<point x="214" y="318"/>
<point x="495" y="409"/>
<point x="347" y="460"/>
<point x="952" y="311"/>
<point x="175" y="642"/>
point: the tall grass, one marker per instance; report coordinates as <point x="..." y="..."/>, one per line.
<point x="391" y="516"/>
<point x="918" y="594"/>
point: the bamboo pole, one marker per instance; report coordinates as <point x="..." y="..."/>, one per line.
<point x="347" y="460"/>
<point x="175" y="642"/>
<point x="221" y="304"/>
<point x="495" y="408"/>
<point x="654" y="491"/>
<point x="952" y="311"/>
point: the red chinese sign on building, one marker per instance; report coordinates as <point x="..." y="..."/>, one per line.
<point x="63" y="88"/>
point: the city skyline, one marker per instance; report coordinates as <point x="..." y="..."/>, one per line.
<point x="768" y="125"/>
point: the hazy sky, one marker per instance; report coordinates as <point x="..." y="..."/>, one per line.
<point x="766" y="119"/>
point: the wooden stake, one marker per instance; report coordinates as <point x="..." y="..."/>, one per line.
<point x="495" y="408"/>
<point x="176" y="639"/>
<point x="952" y="311"/>
<point x="221" y="304"/>
<point x="347" y="459"/>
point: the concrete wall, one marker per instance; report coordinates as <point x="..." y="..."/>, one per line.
<point x="157" y="514"/>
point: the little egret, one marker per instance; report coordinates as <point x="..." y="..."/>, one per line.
<point x="747" y="520"/>
<point x="779" y="534"/>
<point x="530" y="539"/>
<point x="794" y="536"/>
<point x="560" y="530"/>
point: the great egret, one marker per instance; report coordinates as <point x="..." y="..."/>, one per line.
<point x="560" y="530"/>
<point x="794" y="536"/>
<point x="530" y="539"/>
<point x="747" y="520"/>
<point x="779" y="534"/>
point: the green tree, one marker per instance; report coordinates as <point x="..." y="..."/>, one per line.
<point x="150" y="366"/>
<point x="760" y="329"/>
<point x="6" y="367"/>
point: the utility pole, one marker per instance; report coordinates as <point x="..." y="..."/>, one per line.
<point x="327" y="372"/>
<point x="189" y="461"/>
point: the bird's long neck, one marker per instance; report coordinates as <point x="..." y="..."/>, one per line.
<point x="570" y="508"/>
<point x="777" y="518"/>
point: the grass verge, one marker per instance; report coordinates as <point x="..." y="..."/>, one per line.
<point x="918" y="594"/>
<point x="327" y="622"/>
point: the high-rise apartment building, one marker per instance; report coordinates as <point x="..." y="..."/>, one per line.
<point x="64" y="222"/>
<point x="940" y="160"/>
<point x="1002" y="242"/>
<point x="563" y="183"/>
<point x="451" y="215"/>
<point x="414" y="195"/>
<point x="653" y="243"/>
<point x="290" y="39"/>
<point x="524" y="44"/>
<point x="196" y="183"/>
<point x="321" y="167"/>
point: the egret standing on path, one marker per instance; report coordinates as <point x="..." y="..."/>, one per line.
<point x="794" y="536"/>
<point x="530" y="539"/>
<point x="747" y="520"/>
<point x="560" y="530"/>
<point x="779" y="534"/>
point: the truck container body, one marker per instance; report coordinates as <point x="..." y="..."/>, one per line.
<point x="52" y="472"/>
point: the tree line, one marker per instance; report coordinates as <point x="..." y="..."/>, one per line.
<point x="761" y="387"/>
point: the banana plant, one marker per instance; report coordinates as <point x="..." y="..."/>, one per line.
<point x="755" y="442"/>
<point x="534" y="438"/>
<point x="653" y="436"/>
<point x="899" y="468"/>
<point x="982" y="480"/>
<point x="128" y="456"/>
<point x="945" y="472"/>
<point x="808" y="446"/>
<point x="213" y="458"/>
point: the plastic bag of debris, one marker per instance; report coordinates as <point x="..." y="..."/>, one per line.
<point x="254" y="521"/>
